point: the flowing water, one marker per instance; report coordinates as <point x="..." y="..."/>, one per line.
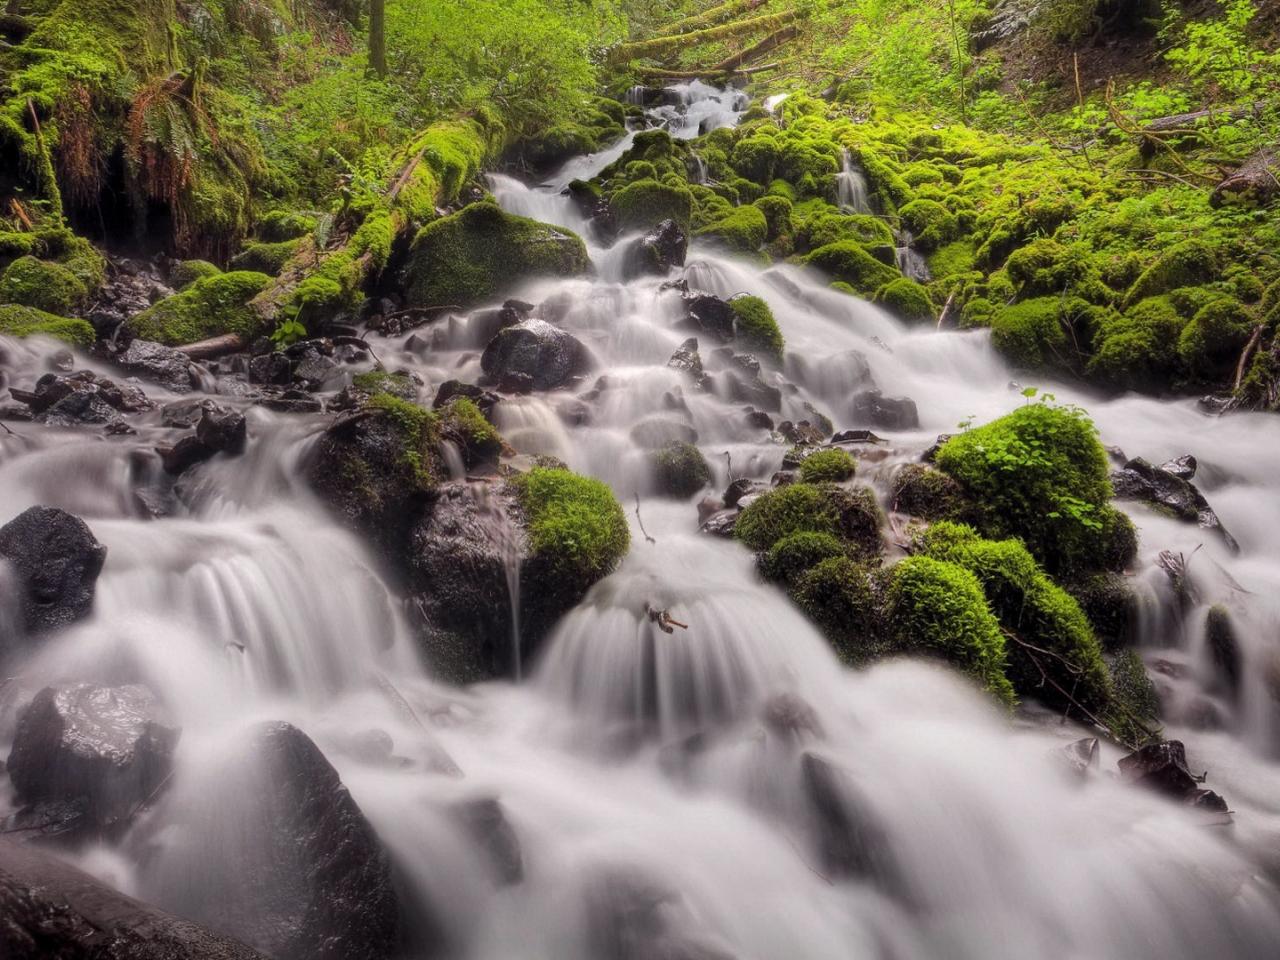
<point x="660" y="805"/>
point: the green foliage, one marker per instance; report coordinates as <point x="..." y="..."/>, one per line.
<point x="850" y="515"/>
<point x="743" y="230"/>
<point x="268" y="258"/>
<point x="679" y="469"/>
<point x="848" y="262"/>
<point x="288" y="331"/>
<point x="418" y="430"/>
<point x="834" y="465"/>
<point x="646" y="203"/>
<point x="1039" y="474"/>
<point x="50" y="287"/>
<point x="478" y="439"/>
<point x="20" y="321"/>
<point x="841" y="596"/>
<point x="938" y="609"/>
<point x="907" y="300"/>
<point x="755" y="327"/>
<point x="1219" y="54"/>
<point x="794" y="555"/>
<point x="210" y="307"/>
<point x="576" y="527"/>
<point x="481" y="251"/>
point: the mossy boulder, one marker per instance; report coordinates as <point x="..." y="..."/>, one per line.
<point x="744" y="230"/>
<point x="1188" y="263"/>
<point x="794" y="555"/>
<point x="1138" y="348"/>
<point x="842" y="597"/>
<point x="907" y="300"/>
<point x="828" y="226"/>
<point x="755" y="328"/>
<point x="278" y="226"/>
<point x="952" y="259"/>
<point x="646" y="203"/>
<point x="42" y="284"/>
<point x="476" y="438"/>
<point x="1045" y="333"/>
<point x="187" y="272"/>
<point x="20" y="321"/>
<point x="679" y="469"/>
<point x="1041" y="475"/>
<point x="928" y="494"/>
<point x="850" y="263"/>
<point x="930" y="222"/>
<point x="777" y="215"/>
<point x="268" y="258"/>
<point x="216" y="305"/>
<point x="938" y="609"/>
<point x="1210" y="344"/>
<point x="853" y="516"/>
<point x="833" y="465"/>
<point x="480" y="251"/>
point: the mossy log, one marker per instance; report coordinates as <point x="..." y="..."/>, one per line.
<point x="709" y="18"/>
<point x="771" y="42"/>
<point x="1255" y="183"/>
<point x="1183" y="124"/>
<point x="662" y="46"/>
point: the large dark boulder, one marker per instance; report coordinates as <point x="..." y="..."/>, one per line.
<point x="1171" y="491"/>
<point x="891" y="413"/>
<point x="317" y="883"/>
<point x="49" y="910"/>
<point x="166" y="366"/>
<point x="846" y="836"/>
<point x="710" y="315"/>
<point x="657" y="251"/>
<point x="1162" y="767"/>
<point x="547" y="355"/>
<point x="54" y="561"/>
<point x="89" y="755"/>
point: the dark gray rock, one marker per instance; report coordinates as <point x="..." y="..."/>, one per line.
<point x="486" y="823"/>
<point x="657" y="252"/>
<point x="1183" y="467"/>
<point x="890" y="413"/>
<point x="166" y="366"/>
<point x="270" y="368"/>
<point x="743" y="487"/>
<point x="710" y="315"/>
<point x="482" y="398"/>
<point x="1139" y="480"/>
<point x="55" y="562"/>
<point x="1162" y="767"/>
<point x="721" y="523"/>
<point x="742" y="382"/>
<point x="51" y="911"/>
<point x="846" y="837"/>
<point x="688" y="361"/>
<point x="547" y="355"/>
<point x="108" y="748"/>
<point x="217" y="431"/>
<point x="84" y="408"/>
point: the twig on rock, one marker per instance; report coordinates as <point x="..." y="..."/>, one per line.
<point x="640" y="520"/>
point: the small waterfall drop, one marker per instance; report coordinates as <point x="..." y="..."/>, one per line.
<point x="851" y="186"/>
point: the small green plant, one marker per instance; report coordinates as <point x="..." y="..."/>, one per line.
<point x="288" y="331"/>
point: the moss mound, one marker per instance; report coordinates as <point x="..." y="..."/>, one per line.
<point x="679" y="469"/>
<point x="1039" y="474"/>
<point x="907" y="300"/>
<point x="849" y="515"/>
<point x="938" y="609"/>
<point x="268" y="258"/>
<point x="187" y="272"/>
<point x="46" y="286"/>
<point x="480" y="251"/>
<point x="20" y="321"/>
<point x="834" y="465"/>
<point x="849" y="263"/>
<point x="1184" y="264"/>
<point x="478" y="439"/>
<point x="842" y="598"/>
<point x="755" y="327"/>
<point x="646" y="203"/>
<point x="216" y="305"/>
<point x="744" y="230"/>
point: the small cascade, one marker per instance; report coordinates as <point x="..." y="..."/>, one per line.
<point x="697" y="168"/>
<point x="851" y="186"/>
<point x="910" y="260"/>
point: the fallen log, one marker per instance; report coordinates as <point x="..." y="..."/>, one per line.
<point x="214" y="347"/>
<point x="658" y="73"/>
<point x="775" y="39"/>
<point x="1254" y="184"/>
<point x="659" y="46"/>
<point x="1183" y="124"/>
<point x="709" y="18"/>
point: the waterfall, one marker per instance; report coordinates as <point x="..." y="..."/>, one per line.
<point x="672" y="794"/>
<point x="851" y="186"/>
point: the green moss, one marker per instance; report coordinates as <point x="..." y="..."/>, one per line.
<point x="478" y="438"/>
<point x="280" y="225"/>
<point x="1045" y="333"/>
<point x="679" y="469"/>
<point x="419" y="432"/>
<point x="938" y="609"/>
<point x="743" y="230"/>
<point x="646" y="203"/>
<point x="931" y="223"/>
<point x="834" y="464"/>
<point x="208" y="308"/>
<point x="793" y="556"/>
<point x="1184" y="264"/>
<point x="1036" y="610"/>
<point x="46" y="286"/>
<point x="830" y="227"/>
<point x="929" y="494"/>
<point x="577" y="530"/>
<point x="477" y="253"/>
<point x="847" y="261"/>
<point x="268" y="258"/>
<point x="907" y="300"/>
<point x="756" y="157"/>
<point x="780" y="188"/>
<point x="1135" y="709"/>
<point x="755" y="328"/>
<point x="851" y="515"/>
<point x="1211" y="343"/>
<point x="1139" y="347"/>
<point x="20" y="321"/>
<point x="380" y="381"/>
<point x="777" y="215"/>
<point x="1039" y="474"/>
<point x="841" y="596"/>
<point x="187" y="272"/>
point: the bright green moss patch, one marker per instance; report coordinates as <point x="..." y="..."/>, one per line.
<point x="481" y="251"/>
<point x="1210" y="344"/>
<point x="841" y="596"/>
<point x="850" y="515"/>
<point x="952" y="259"/>
<point x="46" y="286"/>
<point x="1039" y="474"/>
<point x="210" y="307"/>
<point x="744" y="230"/>
<point x="1032" y="334"/>
<point x="931" y="223"/>
<point x="419" y="433"/>
<point x="794" y="555"/>
<point x="755" y="327"/>
<point x="281" y="225"/>
<point x="268" y="258"/>
<point x="847" y="261"/>
<point x="478" y="438"/>
<point x="646" y="203"/>
<point x="679" y="469"/>
<point x="1184" y="264"/>
<point x="576" y="526"/>
<point x="833" y="465"/>
<point x="187" y="272"/>
<point x="938" y="609"/>
<point x="777" y="215"/>
<point x="907" y="300"/>
<point x="20" y="321"/>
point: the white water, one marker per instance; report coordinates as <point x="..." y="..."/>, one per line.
<point x="632" y="757"/>
<point x="851" y="186"/>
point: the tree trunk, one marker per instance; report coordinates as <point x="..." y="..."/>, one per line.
<point x="378" y="37"/>
<point x="709" y="18"/>
<point x="660" y="46"/>
<point x="1255" y="184"/>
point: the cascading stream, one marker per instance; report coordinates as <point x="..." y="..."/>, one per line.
<point x="671" y="792"/>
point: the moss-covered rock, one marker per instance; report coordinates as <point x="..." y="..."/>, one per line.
<point x="1139" y="347"/>
<point x="646" y="203"/>
<point x="755" y="328"/>
<point x="928" y="494"/>
<point x="849" y="262"/>
<point x="268" y="258"/>
<point x="1184" y="264"/>
<point x="679" y="469"/>
<point x="938" y="609"/>
<point x="744" y="230"/>
<point x="907" y="300"/>
<point x="41" y="284"/>
<point x="794" y="555"/>
<point x="476" y="438"/>
<point x="853" y="516"/>
<point x="277" y="226"/>
<point x="953" y="259"/>
<point x="1039" y="474"/>
<point x="1033" y="334"/>
<point x="480" y="251"/>
<point x="1211" y="343"/>
<point x="828" y="226"/>
<point x="841" y="596"/>
<point x="777" y="215"/>
<point x="187" y="272"/>
<point x="833" y="465"/>
<point x="20" y="321"/>
<point x="210" y="307"/>
<point x="931" y="223"/>
<point x="1135" y="708"/>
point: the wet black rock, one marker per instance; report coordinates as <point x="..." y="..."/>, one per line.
<point x="1170" y="492"/>
<point x="217" y="431"/>
<point x="170" y="368"/>
<point x="291" y="401"/>
<point x="109" y="748"/>
<point x="743" y="487"/>
<point x="743" y="383"/>
<point x="1224" y="649"/>
<point x="53" y="388"/>
<point x="1080" y="757"/>
<point x="688" y="361"/>
<point x="84" y="408"/>
<point x="535" y="349"/>
<point x="846" y="837"/>
<point x="55" y="561"/>
<point x="657" y="252"/>
<point x="804" y="433"/>
<point x="710" y="315"/>
<point x="890" y="413"/>
<point x="1183" y="467"/>
<point x="270" y="368"/>
<point x="758" y="419"/>
<point x="322" y="890"/>
<point x="1162" y="767"/>
<point x="481" y="397"/>
<point x="486" y="823"/>
<point x="49" y="910"/>
<point x="131" y="287"/>
<point x="721" y="523"/>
